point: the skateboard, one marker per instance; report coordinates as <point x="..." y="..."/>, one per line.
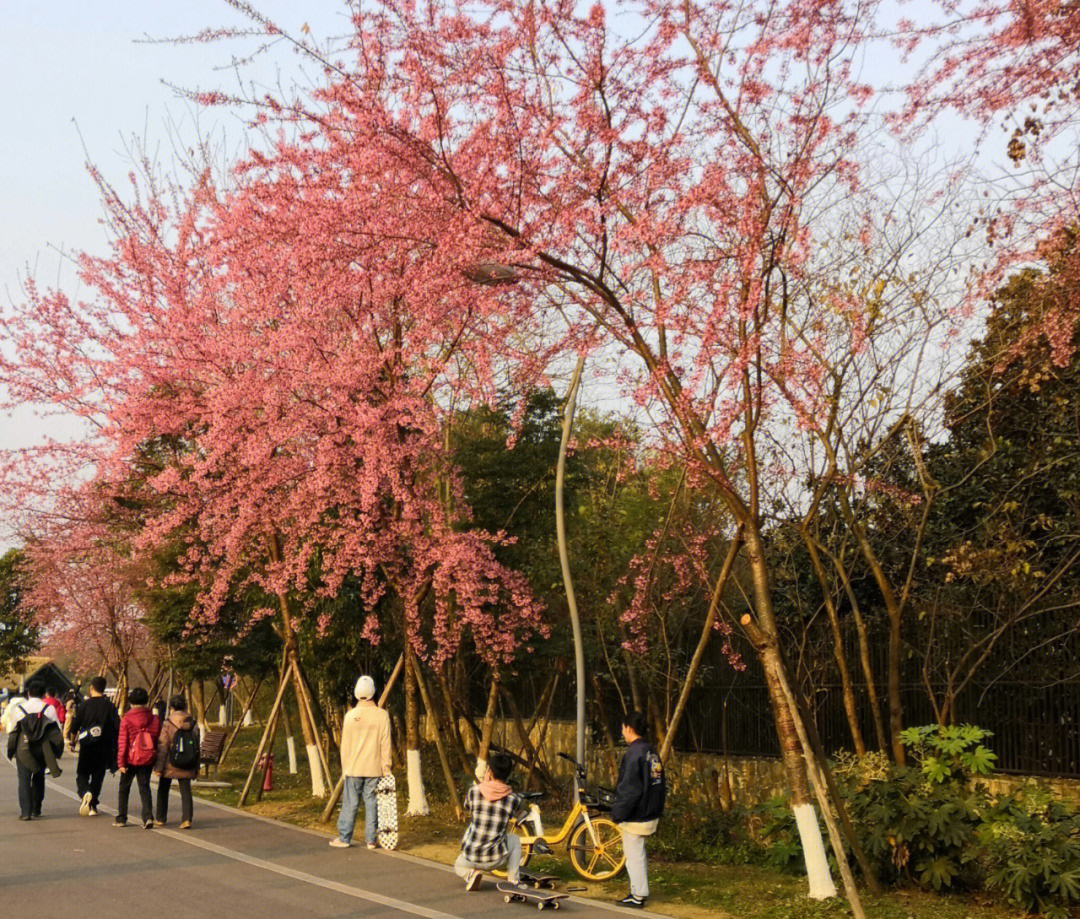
<point x="539" y="881"/>
<point x="544" y="899"/>
<point x="386" y="809"/>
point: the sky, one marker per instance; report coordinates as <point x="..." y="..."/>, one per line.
<point x="78" y="83"/>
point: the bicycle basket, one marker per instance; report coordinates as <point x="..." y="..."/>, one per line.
<point x="606" y="796"/>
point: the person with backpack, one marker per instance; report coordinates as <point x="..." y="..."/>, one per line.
<point x="136" y="755"/>
<point x="639" y="804"/>
<point x="95" y="727"/>
<point x="34" y="742"/>
<point x="177" y="758"/>
<point x="51" y="698"/>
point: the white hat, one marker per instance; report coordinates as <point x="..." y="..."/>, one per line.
<point x="365" y="688"/>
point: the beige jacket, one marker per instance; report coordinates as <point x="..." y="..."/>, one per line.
<point x="365" y="741"/>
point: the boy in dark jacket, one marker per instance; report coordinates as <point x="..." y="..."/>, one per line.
<point x="95" y="727"/>
<point x="639" y="804"/>
<point x="34" y="743"/>
<point x="136" y="755"/>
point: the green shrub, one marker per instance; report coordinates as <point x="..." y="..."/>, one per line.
<point x="917" y="822"/>
<point x="1028" y="847"/>
<point x="932" y="823"/>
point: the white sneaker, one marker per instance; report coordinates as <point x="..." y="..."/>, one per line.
<point x="473" y="878"/>
<point x="338" y="843"/>
<point x="84" y="805"/>
<point x="92" y="812"/>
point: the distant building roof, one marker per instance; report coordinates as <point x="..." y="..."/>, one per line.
<point x="44" y="668"/>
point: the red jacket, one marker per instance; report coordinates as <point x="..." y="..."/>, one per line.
<point x="134" y="721"/>
<point x="58" y="707"/>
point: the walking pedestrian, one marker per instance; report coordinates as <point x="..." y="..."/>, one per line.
<point x="136" y="755"/>
<point x="71" y="706"/>
<point x="639" y="804"/>
<point x="365" y="758"/>
<point x="177" y="758"/>
<point x="95" y="728"/>
<point x="487" y="844"/>
<point x="51" y="698"/>
<point x="34" y="742"/>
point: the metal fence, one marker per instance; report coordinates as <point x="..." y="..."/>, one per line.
<point x="1036" y="729"/>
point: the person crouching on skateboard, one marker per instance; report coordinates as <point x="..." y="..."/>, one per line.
<point x="487" y="844"/>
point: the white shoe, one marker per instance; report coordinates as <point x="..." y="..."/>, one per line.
<point x="84" y="805"/>
<point x="92" y="812"/>
<point x="338" y="843"/>
<point x="473" y="879"/>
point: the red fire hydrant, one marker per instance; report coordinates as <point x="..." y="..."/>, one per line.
<point x="267" y="763"/>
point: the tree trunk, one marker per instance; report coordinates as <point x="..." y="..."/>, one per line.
<point x="418" y="806"/>
<point x="249" y="702"/>
<point x="487" y="728"/>
<point x="703" y="641"/>
<point x="267" y="735"/>
<point x="444" y="760"/>
<point x="864" y="657"/>
<point x="198" y="696"/>
<point x="452" y="723"/>
<point x="792" y="754"/>
<point x="850" y="705"/>
<point x="308" y="711"/>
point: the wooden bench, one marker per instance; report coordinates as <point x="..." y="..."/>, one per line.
<point x="210" y="750"/>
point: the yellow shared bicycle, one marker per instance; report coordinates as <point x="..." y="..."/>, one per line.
<point x="593" y="842"/>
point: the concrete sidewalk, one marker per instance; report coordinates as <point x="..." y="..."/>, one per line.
<point x="232" y="865"/>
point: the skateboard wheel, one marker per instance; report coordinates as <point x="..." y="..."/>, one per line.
<point x="506" y="899"/>
<point x="555" y="905"/>
<point x="540" y="904"/>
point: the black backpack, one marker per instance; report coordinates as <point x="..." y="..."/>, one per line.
<point x="34" y="726"/>
<point x="184" y="752"/>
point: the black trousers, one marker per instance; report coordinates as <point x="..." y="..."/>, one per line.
<point x="31" y="790"/>
<point x="163" y="799"/>
<point x="90" y="774"/>
<point x="140" y="775"/>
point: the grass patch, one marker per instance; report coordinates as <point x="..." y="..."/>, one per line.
<point x="724" y="881"/>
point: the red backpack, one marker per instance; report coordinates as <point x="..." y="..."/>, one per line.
<point x="142" y="748"/>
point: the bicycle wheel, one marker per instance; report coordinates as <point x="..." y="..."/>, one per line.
<point x="599" y="858"/>
<point x="526" y="848"/>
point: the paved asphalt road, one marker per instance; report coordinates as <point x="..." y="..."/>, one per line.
<point x="230" y="866"/>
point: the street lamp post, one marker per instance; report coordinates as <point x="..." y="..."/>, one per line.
<point x="564" y="560"/>
<point x="494" y="274"/>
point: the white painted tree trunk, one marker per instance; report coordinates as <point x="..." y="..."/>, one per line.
<point x="481" y="769"/>
<point x="290" y="745"/>
<point x="318" y="785"/>
<point x="418" y="806"/>
<point x="222" y="717"/>
<point x="248" y="720"/>
<point x="817" y="865"/>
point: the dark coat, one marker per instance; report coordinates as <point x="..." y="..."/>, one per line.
<point x="641" y="791"/>
<point x="95" y="726"/>
<point x="36" y="756"/>
<point x="178" y="721"/>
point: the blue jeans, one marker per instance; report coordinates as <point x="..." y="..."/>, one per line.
<point x="355" y="788"/>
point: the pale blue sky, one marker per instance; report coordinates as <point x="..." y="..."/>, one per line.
<point x="75" y="73"/>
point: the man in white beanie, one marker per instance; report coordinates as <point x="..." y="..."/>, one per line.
<point x="365" y="758"/>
